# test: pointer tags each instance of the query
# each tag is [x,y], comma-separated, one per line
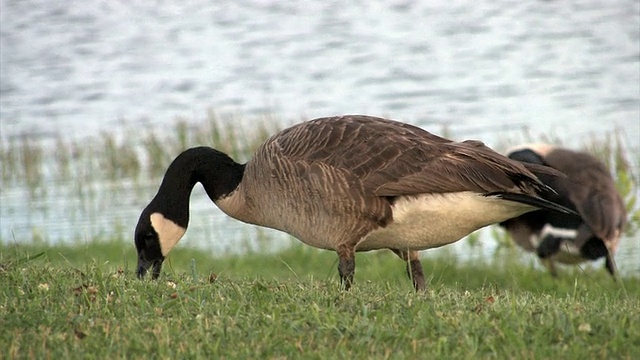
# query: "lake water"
[482,69]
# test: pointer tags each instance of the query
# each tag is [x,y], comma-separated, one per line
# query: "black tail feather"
[533,201]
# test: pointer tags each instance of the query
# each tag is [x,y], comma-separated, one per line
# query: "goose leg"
[549,246]
[549,264]
[414,268]
[346,265]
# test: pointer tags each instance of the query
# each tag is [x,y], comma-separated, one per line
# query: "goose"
[347,184]
[587,188]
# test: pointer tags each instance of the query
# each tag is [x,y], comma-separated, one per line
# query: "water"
[484,70]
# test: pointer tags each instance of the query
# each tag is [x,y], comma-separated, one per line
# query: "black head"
[527,155]
[148,246]
[155,236]
[164,221]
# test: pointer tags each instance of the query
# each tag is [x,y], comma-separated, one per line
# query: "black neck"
[217,172]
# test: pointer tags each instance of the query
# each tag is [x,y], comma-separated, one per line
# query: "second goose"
[347,184]
[587,188]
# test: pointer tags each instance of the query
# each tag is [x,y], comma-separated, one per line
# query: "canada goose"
[589,189]
[350,183]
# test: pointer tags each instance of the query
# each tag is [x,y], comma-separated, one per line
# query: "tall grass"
[29,163]
[63,159]
[26,161]
[119,159]
[8,162]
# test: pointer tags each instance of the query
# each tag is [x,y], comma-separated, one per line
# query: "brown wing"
[591,189]
[452,167]
[391,158]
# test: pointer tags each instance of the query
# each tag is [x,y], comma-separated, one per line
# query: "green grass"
[82,301]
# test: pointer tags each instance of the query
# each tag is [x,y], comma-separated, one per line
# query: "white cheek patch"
[539,148]
[169,233]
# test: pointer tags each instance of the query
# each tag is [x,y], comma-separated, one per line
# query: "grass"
[82,301]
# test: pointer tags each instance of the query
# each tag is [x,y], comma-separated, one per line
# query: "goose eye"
[149,238]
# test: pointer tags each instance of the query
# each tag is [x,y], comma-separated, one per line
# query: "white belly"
[433,220]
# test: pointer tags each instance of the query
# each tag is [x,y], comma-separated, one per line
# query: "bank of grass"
[82,301]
